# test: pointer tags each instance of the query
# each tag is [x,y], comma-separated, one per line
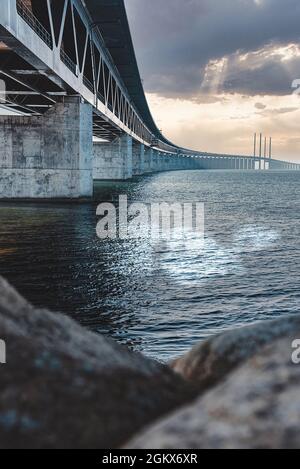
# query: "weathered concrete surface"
[257,407]
[113,161]
[148,167]
[48,156]
[125,158]
[138,159]
[209,362]
[64,387]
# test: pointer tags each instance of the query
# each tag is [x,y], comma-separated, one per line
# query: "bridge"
[70,73]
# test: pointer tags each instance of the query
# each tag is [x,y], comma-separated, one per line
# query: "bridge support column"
[148,160]
[113,160]
[180,162]
[49,156]
[155,161]
[138,159]
[169,162]
[161,165]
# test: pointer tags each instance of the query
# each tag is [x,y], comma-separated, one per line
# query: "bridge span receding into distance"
[70,73]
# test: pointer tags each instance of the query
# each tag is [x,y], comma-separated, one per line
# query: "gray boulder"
[208,363]
[65,387]
[258,406]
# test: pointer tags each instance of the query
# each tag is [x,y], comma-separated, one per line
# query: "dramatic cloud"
[187,47]
[228,126]
[216,71]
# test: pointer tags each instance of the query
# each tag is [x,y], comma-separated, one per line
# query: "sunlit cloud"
[227,124]
[217,71]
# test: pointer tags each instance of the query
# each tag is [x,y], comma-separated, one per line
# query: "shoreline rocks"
[65,387]
[257,407]
[208,363]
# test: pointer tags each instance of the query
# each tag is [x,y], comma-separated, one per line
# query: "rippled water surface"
[162,297]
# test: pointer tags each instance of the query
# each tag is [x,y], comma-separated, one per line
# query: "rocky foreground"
[65,387]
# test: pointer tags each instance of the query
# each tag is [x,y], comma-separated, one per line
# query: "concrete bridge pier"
[138,158]
[48,156]
[113,160]
[148,160]
[155,161]
[180,162]
[172,162]
[183,163]
[176,162]
[164,162]
[187,163]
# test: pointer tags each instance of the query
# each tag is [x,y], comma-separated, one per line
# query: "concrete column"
[158,161]
[155,161]
[179,162]
[166,163]
[48,156]
[148,159]
[172,162]
[176,162]
[113,160]
[138,159]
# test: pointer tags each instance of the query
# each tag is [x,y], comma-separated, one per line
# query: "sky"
[217,71]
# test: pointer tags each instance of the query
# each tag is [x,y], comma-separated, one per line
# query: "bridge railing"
[118,103]
[88,84]
[68,62]
[27,15]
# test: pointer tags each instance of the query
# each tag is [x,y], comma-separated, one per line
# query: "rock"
[65,387]
[258,406]
[210,362]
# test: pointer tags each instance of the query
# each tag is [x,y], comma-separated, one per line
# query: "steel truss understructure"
[67,30]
